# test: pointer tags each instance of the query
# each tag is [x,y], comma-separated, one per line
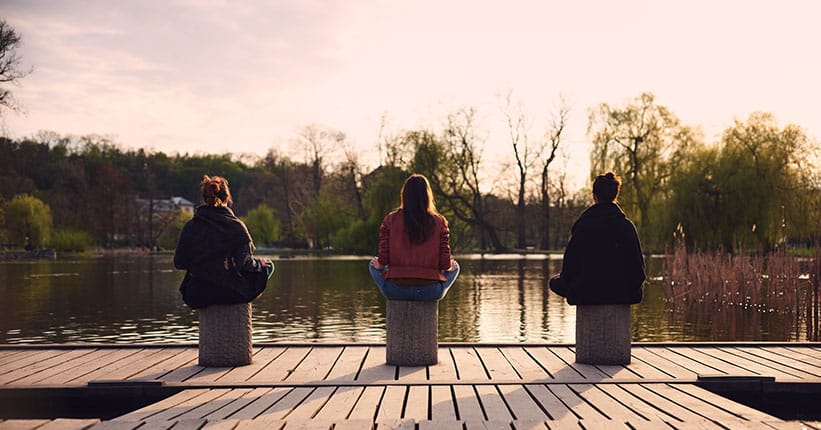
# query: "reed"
[733,288]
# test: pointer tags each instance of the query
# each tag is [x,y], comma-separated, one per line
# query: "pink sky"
[242,77]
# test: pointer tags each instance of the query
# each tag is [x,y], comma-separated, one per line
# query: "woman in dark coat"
[218,253]
[603,262]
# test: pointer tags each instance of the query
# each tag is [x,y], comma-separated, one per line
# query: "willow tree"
[642,142]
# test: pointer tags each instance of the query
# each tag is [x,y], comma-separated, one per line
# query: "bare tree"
[550,147]
[10,71]
[517,128]
[353,172]
[319,142]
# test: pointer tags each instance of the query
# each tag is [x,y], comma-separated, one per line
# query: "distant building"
[172,204]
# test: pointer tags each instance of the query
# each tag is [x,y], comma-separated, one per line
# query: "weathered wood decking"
[473,386]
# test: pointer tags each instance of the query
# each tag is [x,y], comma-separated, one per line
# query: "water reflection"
[501,299]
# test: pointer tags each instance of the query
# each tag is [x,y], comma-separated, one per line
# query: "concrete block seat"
[412,332]
[603,334]
[225,335]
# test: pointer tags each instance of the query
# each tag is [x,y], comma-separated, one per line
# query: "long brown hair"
[215,191]
[418,208]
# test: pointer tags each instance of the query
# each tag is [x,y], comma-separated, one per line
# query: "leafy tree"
[754,190]
[70,240]
[28,220]
[642,142]
[10,71]
[263,225]
[172,229]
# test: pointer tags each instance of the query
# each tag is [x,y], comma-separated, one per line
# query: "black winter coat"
[603,262]
[217,252]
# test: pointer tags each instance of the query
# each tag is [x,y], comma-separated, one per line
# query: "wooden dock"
[474,386]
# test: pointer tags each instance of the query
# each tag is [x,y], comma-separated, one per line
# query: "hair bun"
[610,175]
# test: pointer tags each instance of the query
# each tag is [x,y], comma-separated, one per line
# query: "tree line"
[754,189]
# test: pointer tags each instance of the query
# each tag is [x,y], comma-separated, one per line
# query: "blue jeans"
[422,293]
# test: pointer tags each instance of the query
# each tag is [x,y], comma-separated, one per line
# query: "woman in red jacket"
[414,261]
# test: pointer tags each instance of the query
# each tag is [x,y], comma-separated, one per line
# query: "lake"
[499,298]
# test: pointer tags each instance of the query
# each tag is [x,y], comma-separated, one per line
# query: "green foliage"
[643,143]
[751,192]
[169,236]
[358,237]
[70,240]
[28,218]
[263,225]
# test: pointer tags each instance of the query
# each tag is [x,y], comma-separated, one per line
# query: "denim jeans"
[420,293]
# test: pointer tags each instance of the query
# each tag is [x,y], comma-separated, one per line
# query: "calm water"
[503,299]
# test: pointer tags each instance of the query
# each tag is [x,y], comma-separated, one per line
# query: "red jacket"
[404,259]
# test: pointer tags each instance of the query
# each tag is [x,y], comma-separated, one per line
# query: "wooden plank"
[141,362]
[374,369]
[413,374]
[354,425]
[802,361]
[555,409]
[392,403]
[205,376]
[618,371]
[264,357]
[286,404]
[21,424]
[468,365]
[261,424]
[368,403]
[260,404]
[348,364]
[676,356]
[611,409]
[735,408]
[521,405]
[69,424]
[588,371]
[577,404]
[552,364]
[441,403]
[30,368]
[497,365]
[707,355]
[139,356]
[397,424]
[81,374]
[416,405]
[181,411]
[177,358]
[221,425]
[640,368]
[341,403]
[524,364]
[670,368]
[750,362]
[194,424]
[242,397]
[281,367]
[788,365]
[651,403]
[155,408]
[467,403]
[808,355]
[492,403]
[308,408]
[61,373]
[118,425]
[445,369]
[440,425]
[222,400]
[697,405]
[38,359]
[316,365]
[540,425]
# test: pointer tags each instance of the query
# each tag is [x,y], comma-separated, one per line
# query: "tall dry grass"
[731,286]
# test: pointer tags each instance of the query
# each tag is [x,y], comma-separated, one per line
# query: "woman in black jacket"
[603,262]
[218,253]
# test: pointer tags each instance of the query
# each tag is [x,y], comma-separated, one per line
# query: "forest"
[754,189]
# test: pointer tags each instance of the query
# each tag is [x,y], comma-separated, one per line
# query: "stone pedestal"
[412,333]
[225,335]
[603,334]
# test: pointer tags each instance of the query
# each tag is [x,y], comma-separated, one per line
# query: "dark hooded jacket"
[603,262]
[217,252]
